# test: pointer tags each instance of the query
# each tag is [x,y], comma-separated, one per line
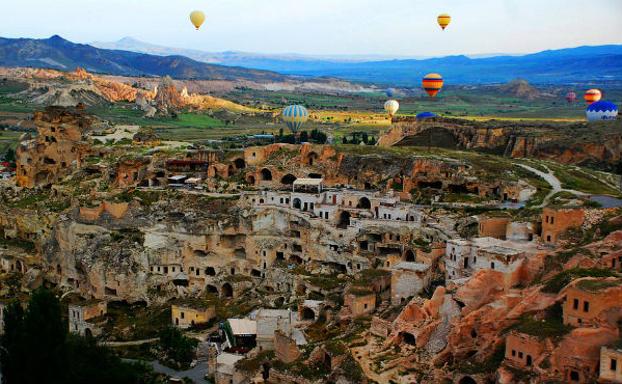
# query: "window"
[182,315]
[492,265]
[513,352]
[613,365]
[575,304]
[586,306]
[365,306]
[520,355]
[552,219]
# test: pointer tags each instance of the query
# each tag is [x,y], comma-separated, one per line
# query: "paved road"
[196,374]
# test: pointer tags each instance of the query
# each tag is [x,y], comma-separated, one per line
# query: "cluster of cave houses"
[362,229]
[501,245]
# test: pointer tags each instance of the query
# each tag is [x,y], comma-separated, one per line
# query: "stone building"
[83,316]
[188,314]
[359,302]
[493,226]
[611,364]
[60,147]
[522,351]
[556,221]
[409,279]
[465,257]
[587,300]
[226,373]
[271,320]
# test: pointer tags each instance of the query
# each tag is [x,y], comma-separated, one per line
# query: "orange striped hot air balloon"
[432,83]
[592,96]
[444,20]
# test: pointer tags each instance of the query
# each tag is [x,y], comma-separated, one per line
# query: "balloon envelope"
[197,18]
[390,92]
[592,96]
[391,106]
[295,116]
[601,110]
[426,115]
[444,20]
[432,83]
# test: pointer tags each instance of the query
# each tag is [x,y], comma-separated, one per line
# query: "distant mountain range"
[589,64]
[58,53]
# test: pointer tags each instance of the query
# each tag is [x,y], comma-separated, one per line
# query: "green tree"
[36,348]
[10,155]
[177,347]
[304,136]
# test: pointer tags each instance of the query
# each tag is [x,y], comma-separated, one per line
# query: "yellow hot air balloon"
[197,18]
[391,106]
[444,20]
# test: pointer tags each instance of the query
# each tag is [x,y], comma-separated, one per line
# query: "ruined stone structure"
[59,148]
[82,316]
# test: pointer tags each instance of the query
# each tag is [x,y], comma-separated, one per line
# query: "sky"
[326,27]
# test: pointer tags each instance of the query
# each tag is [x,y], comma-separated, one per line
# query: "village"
[354,269]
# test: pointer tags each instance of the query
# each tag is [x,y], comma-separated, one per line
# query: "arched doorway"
[408,338]
[210,271]
[364,203]
[227,290]
[239,163]
[315,176]
[297,203]
[212,289]
[409,255]
[250,179]
[266,175]
[467,380]
[344,220]
[308,314]
[88,333]
[288,179]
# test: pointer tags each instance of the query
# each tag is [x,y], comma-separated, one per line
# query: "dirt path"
[553,181]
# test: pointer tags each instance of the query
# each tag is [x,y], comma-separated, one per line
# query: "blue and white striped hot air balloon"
[602,110]
[295,116]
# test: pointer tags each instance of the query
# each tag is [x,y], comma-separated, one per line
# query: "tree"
[36,348]
[10,155]
[344,140]
[372,141]
[365,137]
[177,347]
[304,137]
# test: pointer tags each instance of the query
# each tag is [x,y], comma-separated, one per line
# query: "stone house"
[83,316]
[270,321]
[611,364]
[587,300]
[556,221]
[409,279]
[359,302]
[188,314]
[226,373]
[523,351]
[493,226]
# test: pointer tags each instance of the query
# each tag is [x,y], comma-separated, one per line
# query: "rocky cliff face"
[598,144]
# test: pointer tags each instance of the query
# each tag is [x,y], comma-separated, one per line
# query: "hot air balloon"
[571,97]
[432,83]
[592,96]
[295,116]
[444,20]
[391,106]
[197,18]
[601,110]
[390,92]
[426,115]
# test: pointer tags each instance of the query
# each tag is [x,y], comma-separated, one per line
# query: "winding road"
[553,181]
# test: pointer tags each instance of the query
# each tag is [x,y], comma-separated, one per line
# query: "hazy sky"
[387,27]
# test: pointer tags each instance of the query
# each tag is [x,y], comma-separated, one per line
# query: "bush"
[561,280]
